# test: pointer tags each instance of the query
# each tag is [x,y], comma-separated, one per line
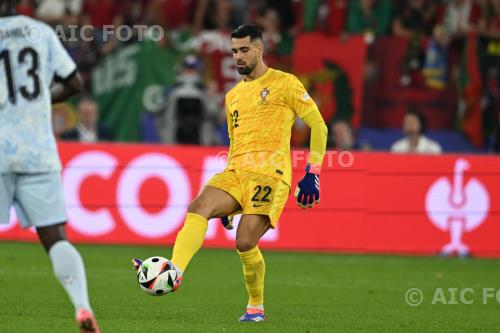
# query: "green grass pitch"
[305,292]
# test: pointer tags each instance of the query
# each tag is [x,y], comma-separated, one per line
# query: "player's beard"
[247,69]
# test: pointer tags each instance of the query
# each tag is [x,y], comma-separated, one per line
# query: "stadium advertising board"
[370,202]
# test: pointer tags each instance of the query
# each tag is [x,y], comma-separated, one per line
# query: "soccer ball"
[156,276]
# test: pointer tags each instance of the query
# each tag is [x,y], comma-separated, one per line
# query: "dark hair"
[245,30]
[421,119]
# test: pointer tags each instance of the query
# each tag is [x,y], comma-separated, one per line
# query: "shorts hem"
[272,225]
[228,192]
[43,223]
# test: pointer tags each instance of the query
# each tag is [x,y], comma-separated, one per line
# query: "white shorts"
[37,198]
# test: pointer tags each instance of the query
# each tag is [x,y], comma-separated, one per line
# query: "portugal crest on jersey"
[263,95]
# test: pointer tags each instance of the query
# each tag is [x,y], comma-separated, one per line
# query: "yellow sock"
[254,269]
[189,240]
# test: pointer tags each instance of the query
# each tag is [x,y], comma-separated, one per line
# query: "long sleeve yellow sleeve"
[304,106]
[319,135]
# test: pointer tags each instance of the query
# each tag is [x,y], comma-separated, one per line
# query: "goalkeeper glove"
[227,222]
[307,191]
[136,263]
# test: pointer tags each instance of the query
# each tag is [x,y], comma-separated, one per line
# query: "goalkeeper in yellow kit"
[260,111]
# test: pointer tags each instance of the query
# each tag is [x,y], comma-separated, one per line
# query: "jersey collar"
[266,74]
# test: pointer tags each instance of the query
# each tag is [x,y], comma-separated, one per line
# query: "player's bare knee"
[201,207]
[245,244]
[50,235]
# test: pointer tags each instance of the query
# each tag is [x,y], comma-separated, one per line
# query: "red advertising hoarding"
[370,202]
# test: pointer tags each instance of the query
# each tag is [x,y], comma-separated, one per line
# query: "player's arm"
[307,191]
[67,81]
[62,89]
[318,139]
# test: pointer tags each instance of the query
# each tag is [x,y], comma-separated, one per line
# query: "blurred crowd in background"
[186,105]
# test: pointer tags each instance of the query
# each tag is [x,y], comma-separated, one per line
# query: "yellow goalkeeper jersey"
[260,115]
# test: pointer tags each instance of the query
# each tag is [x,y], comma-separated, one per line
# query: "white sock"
[69,270]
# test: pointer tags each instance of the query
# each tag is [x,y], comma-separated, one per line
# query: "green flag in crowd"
[128,82]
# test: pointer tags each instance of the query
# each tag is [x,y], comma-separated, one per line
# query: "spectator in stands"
[327,16]
[435,67]
[337,17]
[212,15]
[372,17]
[277,43]
[186,117]
[342,137]
[489,29]
[414,127]
[63,118]
[88,129]
[59,11]
[414,18]
[458,17]
[269,21]
[285,8]
[26,7]
[489,22]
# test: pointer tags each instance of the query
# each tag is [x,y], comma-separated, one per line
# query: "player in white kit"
[31,59]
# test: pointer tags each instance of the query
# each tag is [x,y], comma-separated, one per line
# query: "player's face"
[342,136]
[246,54]
[411,125]
[88,113]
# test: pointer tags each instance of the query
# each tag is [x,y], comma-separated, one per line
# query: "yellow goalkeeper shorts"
[257,194]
